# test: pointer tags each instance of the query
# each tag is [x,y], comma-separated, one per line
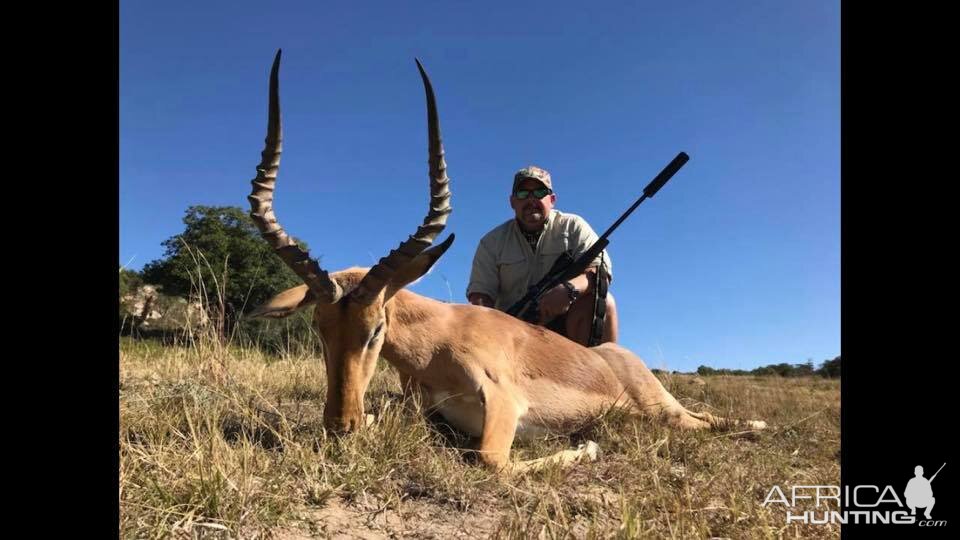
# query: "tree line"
[829,369]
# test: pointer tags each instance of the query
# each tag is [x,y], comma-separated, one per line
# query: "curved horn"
[378,276]
[261,209]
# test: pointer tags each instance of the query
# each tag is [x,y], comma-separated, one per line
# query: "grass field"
[228,443]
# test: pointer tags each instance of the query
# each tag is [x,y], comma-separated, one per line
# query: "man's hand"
[480,299]
[554,303]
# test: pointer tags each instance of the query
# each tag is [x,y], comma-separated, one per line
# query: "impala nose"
[348,424]
[342,425]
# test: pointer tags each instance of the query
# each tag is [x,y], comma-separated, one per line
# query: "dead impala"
[490,375]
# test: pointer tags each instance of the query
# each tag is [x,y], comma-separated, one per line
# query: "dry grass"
[228,443]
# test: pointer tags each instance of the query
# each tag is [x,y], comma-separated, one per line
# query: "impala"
[490,375]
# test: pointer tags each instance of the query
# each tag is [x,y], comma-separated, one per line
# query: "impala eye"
[375,335]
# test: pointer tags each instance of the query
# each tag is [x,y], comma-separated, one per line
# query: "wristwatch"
[572,291]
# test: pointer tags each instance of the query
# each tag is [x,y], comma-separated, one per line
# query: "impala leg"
[499,428]
[652,399]
[729,423]
[563,458]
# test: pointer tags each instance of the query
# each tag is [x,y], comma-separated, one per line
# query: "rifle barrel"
[652,188]
[938,472]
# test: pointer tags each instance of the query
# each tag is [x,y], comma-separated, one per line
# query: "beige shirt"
[505,267]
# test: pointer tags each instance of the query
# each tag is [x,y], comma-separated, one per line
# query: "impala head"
[350,313]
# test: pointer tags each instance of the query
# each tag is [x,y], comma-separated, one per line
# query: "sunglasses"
[538,193]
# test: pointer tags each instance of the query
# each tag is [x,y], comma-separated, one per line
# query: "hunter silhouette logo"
[918,493]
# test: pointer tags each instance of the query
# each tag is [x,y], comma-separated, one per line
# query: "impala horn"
[261,209]
[378,276]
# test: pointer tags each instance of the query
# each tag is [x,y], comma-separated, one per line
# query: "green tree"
[130,281]
[830,368]
[804,370]
[221,259]
[765,371]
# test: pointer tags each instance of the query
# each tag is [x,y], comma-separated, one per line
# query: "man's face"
[532,212]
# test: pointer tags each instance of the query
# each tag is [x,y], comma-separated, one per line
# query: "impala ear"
[286,303]
[416,268]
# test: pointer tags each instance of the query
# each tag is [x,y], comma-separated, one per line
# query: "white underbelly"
[464,412]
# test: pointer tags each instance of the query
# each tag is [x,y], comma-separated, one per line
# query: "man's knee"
[611,327]
[611,305]
[579,321]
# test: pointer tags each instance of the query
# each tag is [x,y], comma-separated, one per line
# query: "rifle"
[566,268]
[936,473]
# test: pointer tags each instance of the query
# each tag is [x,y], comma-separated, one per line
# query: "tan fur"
[488,373]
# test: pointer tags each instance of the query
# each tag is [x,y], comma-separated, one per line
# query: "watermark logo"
[868,504]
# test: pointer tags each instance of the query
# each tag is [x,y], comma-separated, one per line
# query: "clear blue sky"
[735,263]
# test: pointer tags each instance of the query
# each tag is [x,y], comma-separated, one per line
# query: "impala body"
[489,374]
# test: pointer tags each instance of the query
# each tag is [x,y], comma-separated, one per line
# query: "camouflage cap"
[535,173]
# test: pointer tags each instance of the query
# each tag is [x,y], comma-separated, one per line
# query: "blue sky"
[735,263]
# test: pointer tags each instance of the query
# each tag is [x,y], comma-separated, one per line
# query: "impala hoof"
[590,450]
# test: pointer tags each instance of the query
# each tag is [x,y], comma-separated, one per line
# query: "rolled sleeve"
[483,274]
